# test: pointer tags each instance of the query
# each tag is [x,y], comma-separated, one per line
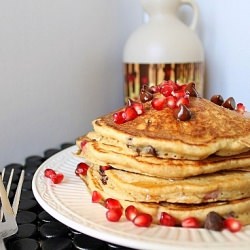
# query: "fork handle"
[2,245]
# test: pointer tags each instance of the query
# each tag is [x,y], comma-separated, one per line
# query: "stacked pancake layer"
[158,163]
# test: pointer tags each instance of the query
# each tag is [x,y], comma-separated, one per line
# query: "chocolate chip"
[214,221]
[182,113]
[191,90]
[229,103]
[104,179]
[146,94]
[217,99]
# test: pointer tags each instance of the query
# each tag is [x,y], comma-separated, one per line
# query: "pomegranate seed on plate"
[167,220]
[158,103]
[114,214]
[190,222]
[81,168]
[96,197]
[112,203]
[143,220]
[232,224]
[48,172]
[58,178]
[131,212]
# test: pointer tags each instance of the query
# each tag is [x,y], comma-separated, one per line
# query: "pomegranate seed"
[166,90]
[48,172]
[136,105]
[96,197]
[138,108]
[58,178]
[104,168]
[158,103]
[180,93]
[112,203]
[83,143]
[190,222]
[232,224]
[154,89]
[173,84]
[81,168]
[240,108]
[183,100]
[167,220]
[118,117]
[183,87]
[131,212]
[171,101]
[129,114]
[143,220]
[114,214]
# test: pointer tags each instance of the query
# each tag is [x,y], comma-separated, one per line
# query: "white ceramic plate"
[70,203]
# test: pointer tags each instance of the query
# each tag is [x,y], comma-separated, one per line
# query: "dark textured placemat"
[38,230]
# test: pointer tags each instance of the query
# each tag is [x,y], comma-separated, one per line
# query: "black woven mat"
[37,230]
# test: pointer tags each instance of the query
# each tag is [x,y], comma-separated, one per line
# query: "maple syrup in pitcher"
[164,48]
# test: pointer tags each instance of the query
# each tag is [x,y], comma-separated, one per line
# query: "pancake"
[222,186]
[103,154]
[240,209]
[160,163]
[212,129]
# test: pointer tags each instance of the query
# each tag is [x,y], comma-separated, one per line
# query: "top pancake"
[212,129]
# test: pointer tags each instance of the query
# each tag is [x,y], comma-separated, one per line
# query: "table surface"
[37,230]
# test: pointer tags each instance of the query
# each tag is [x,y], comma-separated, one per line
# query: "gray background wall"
[61,64]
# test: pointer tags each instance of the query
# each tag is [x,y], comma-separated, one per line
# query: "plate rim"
[115,238]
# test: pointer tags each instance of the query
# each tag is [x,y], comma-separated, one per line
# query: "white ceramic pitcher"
[163,47]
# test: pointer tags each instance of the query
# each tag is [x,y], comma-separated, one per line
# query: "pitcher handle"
[195,8]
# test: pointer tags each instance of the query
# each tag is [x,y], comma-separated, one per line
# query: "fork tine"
[6,207]
[7,189]
[9,226]
[18,193]
[3,172]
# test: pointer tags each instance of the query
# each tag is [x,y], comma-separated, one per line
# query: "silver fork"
[8,226]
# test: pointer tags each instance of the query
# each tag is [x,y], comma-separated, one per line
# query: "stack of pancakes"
[160,164]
